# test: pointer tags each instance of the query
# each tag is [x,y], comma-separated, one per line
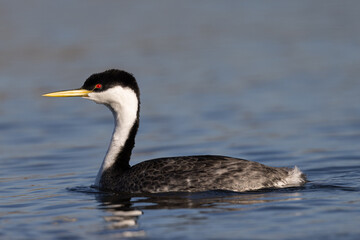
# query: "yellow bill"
[69,93]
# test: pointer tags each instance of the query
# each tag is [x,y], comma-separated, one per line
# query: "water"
[276,83]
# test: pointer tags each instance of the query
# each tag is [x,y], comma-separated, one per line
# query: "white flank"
[294,179]
[123,103]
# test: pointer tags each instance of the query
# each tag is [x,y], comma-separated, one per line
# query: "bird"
[119,91]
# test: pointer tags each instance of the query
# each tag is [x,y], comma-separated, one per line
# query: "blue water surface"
[275,82]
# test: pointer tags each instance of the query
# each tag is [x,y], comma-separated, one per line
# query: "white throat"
[123,103]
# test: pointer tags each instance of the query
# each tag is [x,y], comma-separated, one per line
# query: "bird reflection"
[211,200]
[123,215]
[125,210]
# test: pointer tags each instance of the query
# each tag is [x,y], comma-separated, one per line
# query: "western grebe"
[118,90]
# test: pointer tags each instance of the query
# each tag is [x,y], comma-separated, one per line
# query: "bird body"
[199,173]
[118,90]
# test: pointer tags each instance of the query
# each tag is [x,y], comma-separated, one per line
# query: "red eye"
[98,86]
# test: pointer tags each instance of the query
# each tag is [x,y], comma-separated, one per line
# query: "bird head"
[113,88]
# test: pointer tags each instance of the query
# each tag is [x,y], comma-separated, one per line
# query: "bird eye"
[98,86]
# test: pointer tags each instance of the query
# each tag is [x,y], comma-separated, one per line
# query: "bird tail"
[295,178]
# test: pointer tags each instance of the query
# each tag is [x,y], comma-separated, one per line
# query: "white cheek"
[97,97]
[115,96]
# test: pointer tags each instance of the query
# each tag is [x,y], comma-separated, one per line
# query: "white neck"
[123,103]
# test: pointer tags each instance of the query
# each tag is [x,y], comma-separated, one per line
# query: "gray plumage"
[197,173]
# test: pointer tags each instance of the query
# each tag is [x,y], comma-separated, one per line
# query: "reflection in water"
[126,209]
[221,200]
[123,215]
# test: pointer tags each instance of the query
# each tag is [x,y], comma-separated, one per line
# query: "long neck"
[118,155]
